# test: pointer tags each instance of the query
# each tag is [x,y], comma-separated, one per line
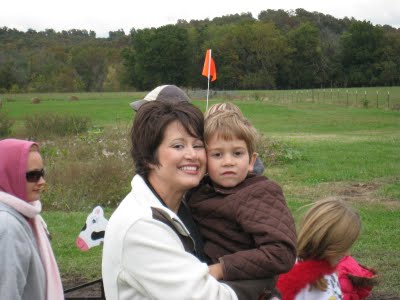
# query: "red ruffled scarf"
[302,273]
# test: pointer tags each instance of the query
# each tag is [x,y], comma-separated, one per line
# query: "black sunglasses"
[34,176]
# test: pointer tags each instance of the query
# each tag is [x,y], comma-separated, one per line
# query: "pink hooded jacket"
[13,162]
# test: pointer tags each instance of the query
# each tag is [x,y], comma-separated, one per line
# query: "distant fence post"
[347,97]
[365,104]
[388,100]
[338,99]
[356,97]
[377,95]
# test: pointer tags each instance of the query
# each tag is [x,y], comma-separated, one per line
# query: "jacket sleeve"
[345,286]
[263,214]
[158,265]
[14,258]
[356,281]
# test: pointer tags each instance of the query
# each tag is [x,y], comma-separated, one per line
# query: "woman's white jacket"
[144,258]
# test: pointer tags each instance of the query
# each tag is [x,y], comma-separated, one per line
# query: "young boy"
[248,230]
[258,165]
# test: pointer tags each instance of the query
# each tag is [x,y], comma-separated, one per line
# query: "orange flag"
[209,67]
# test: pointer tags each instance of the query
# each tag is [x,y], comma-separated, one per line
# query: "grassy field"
[325,149]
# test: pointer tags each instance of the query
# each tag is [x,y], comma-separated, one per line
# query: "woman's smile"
[182,159]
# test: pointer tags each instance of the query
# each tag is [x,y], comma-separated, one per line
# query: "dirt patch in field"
[366,192]
[363,192]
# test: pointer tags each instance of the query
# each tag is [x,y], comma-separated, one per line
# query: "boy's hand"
[216,271]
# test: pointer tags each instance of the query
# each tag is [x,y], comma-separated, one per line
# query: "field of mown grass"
[325,149]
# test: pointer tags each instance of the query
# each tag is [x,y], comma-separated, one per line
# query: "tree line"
[277,50]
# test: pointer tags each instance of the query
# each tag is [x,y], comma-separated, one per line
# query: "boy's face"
[228,162]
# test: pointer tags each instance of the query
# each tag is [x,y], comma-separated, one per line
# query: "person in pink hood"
[28,267]
[356,281]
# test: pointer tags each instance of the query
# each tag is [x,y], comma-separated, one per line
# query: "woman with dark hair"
[148,252]
[28,266]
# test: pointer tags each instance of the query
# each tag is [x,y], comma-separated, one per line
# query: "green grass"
[73,263]
[331,161]
[317,118]
[331,149]
[391,190]
[103,108]
[379,244]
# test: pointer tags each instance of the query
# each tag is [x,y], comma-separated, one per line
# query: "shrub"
[35,100]
[365,103]
[5,124]
[73,98]
[273,152]
[15,89]
[396,107]
[257,96]
[89,169]
[45,125]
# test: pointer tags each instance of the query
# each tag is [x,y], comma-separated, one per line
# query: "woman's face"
[35,163]
[182,161]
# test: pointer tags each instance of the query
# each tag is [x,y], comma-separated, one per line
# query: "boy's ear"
[253,158]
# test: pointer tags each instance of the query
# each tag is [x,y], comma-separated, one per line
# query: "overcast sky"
[103,16]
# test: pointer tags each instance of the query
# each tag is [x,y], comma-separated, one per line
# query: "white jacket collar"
[145,196]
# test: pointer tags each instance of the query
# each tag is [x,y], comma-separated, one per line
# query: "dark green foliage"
[5,124]
[159,56]
[232,19]
[305,57]
[54,124]
[362,52]
[66,61]
[279,50]
[90,65]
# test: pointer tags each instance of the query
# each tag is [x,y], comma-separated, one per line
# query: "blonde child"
[327,232]
[247,228]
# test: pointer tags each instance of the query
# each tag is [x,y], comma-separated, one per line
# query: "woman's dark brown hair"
[149,126]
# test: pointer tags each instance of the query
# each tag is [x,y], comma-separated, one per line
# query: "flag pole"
[208,79]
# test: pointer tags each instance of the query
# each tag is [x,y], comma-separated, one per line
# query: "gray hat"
[169,93]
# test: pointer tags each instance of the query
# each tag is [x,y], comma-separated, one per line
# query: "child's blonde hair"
[222,106]
[327,231]
[229,124]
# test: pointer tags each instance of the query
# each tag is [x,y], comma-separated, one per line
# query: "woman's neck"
[170,196]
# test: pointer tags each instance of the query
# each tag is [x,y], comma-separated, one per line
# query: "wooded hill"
[277,50]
